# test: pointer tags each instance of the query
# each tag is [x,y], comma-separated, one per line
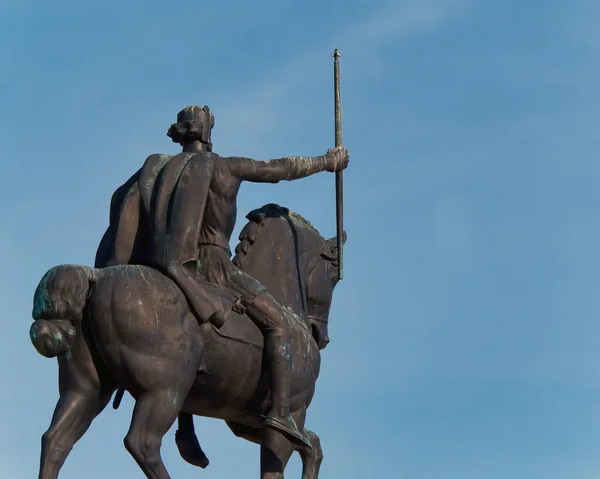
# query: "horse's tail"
[58,306]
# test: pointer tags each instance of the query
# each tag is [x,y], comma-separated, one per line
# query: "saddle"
[237,326]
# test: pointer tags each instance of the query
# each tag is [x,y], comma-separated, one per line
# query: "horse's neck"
[281,271]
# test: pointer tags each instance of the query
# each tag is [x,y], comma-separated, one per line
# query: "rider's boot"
[278,360]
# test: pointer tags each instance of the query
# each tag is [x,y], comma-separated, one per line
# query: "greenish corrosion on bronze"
[57,337]
[41,301]
[301,219]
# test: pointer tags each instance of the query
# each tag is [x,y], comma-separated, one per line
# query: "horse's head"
[293,261]
[322,280]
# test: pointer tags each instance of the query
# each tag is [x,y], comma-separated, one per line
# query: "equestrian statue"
[168,315]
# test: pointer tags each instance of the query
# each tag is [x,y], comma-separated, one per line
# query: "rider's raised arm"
[273,171]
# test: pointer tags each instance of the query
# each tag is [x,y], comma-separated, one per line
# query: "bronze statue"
[167,315]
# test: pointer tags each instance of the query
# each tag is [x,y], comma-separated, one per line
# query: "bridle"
[312,265]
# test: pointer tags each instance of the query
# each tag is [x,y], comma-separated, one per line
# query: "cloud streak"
[362,40]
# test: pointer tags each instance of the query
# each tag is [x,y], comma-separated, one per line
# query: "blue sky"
[465,338]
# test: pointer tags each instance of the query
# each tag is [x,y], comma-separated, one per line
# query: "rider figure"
[191,216]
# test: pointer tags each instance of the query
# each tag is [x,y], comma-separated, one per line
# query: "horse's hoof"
[190,450]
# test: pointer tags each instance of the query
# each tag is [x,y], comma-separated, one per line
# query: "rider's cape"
[156,216]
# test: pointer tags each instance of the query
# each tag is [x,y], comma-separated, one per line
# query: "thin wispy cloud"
[399,19]
[361,39]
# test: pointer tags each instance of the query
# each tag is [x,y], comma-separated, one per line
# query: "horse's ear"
[332,247]
[332,242]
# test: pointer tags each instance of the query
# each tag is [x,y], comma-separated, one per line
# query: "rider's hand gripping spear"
[339,178]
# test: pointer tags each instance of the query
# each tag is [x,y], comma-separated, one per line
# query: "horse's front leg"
[81,400]
[276,449]
[275,452]
[311,458]
[187,442]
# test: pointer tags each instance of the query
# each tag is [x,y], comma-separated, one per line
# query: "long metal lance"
[339,175]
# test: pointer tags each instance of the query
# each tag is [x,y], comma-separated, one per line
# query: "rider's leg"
[200,301]
[269,316]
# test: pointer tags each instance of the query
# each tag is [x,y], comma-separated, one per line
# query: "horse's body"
[230,383]
[130,327]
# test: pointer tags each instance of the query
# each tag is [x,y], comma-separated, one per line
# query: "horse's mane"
[256,220]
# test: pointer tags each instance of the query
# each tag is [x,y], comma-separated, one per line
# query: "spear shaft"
[339,175]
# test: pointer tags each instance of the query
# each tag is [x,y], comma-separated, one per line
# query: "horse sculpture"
[130,327]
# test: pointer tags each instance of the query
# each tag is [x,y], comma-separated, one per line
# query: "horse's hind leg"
[161,389]
[82,398]
[154,413]
[73,415]
[311,458]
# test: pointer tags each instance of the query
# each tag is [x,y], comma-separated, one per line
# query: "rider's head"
[193,127]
